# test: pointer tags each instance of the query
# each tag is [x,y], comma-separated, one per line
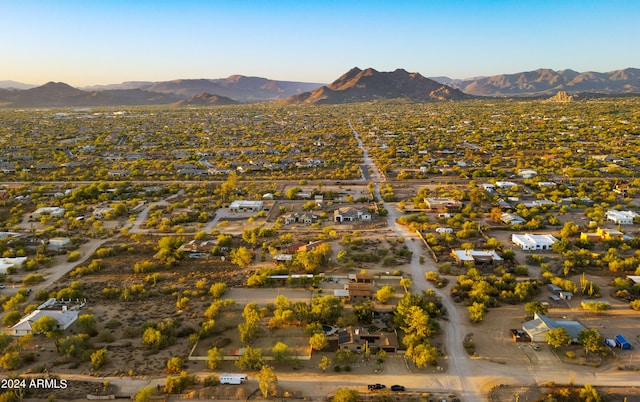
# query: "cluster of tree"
[482,292]
[416,315]
[156,336]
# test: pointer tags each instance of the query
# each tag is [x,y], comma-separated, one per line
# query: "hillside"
[237,87]
[206,99]
[61,94]
[365,85]
[547,82]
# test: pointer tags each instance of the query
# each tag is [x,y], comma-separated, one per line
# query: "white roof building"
[476,256]
[64,317]
[16,262]
[511,219]
[529,241]
[621,217]
[506,184]
[527,173]
[541,324]
[53,211]
[244,205]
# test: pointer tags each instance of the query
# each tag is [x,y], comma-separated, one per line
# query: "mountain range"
[354,86]
[547,82]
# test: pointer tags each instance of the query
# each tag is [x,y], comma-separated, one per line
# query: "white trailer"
[232,378]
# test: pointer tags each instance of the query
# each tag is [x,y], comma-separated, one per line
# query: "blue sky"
[103,42]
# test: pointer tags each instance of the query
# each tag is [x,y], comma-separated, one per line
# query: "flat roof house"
[442,203]
[357,339]
[529,241]
[621,217]
[478,257]
[246,206]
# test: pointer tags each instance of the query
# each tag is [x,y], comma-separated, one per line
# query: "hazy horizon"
[103,43]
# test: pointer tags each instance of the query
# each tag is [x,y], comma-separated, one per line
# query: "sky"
[91,42]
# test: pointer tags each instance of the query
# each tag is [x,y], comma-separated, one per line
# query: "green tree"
[590,340]
[152,338]
[44,324]
[280,352]
[241,257]
[251,359]
[10,361]
[345,395]
[145,394]
[11,318]
[590,394]
[423,354]
[174,365]
[324,364]
[558,337]
[87,322]
[318,341]
[99,359]
[385,294]
[214,358]
[326,309]
[477,311]
[535,307]
[267,381]
[363,312]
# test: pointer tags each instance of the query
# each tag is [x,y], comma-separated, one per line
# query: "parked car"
[373,387]
[2,286]
[397,388]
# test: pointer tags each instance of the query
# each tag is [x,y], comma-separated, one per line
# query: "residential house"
[51,211]
[506,184]
[360,278]
[310,246]
[541,324]
[621,217]
[246,206]
[609,234]
[590,236]
[359,291]
[358,339]
[197,246]
[602,234]
[11,262]
[65,313]
[294,217]
[118,173]
[529,241]
[350,214]
[437,204]
[527,173]
[58,243]
[622,189]
[478,257]
[488,187]
[511,219]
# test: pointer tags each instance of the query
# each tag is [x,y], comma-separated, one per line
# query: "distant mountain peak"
[206,99]
[369,84]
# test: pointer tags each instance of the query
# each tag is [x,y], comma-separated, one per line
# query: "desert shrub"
[73,256]
[105,336]
[32,279]
[211,380]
